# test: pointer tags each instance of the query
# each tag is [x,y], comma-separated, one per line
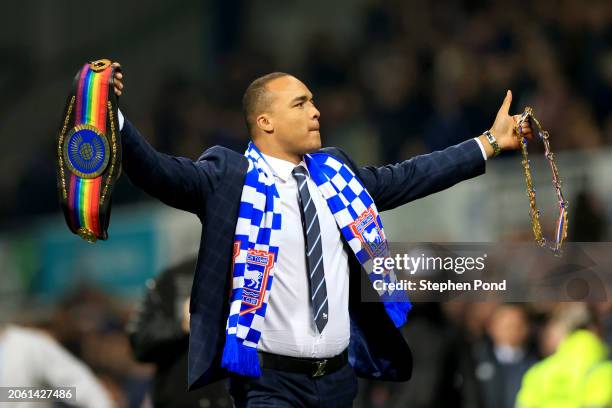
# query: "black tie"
[314,250]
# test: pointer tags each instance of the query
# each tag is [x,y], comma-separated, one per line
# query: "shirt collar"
[282,168]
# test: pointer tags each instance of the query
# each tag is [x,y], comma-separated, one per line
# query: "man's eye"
[300,104]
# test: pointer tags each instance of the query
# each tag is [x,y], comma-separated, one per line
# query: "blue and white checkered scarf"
[256,246]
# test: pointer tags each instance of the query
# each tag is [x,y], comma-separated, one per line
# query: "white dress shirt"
[482,149]
[289,327]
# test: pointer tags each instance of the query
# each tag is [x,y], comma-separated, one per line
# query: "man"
[289,214]
[504,356]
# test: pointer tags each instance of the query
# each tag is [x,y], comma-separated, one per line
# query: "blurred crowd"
[419,77]
[478,355]
[466,354]
[415,76]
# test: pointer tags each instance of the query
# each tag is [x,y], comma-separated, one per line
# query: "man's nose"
[315,113]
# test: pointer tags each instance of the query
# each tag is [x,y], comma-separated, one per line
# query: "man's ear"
[264,122]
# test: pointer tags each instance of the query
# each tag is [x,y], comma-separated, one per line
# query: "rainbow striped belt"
[89,151]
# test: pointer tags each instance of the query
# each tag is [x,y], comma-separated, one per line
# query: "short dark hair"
[257,98]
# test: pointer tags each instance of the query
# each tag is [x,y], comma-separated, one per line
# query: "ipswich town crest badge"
[256,275]
[367,229]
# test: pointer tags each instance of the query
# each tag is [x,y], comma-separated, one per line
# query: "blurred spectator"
[578,374]
[604,313]
[90,323]
[159,334]
[504,356]
[443,372]
[388,75]
[589,222]
[31,358]
[476,316]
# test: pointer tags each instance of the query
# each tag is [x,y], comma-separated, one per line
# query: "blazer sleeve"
[393,185]
[177,181]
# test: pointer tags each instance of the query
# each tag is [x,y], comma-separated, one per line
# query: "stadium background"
[392,79]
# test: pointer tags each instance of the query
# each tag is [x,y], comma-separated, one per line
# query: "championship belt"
[89,151]
[561,230]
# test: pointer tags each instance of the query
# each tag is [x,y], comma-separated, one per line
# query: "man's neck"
[274,151]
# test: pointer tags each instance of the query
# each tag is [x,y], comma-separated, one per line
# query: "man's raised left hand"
[503,129]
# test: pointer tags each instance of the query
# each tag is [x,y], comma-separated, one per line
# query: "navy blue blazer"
[211,186]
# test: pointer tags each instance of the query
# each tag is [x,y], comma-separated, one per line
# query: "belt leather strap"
[313,367]
[89,151]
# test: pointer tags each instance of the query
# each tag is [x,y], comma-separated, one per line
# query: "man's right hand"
[117,80]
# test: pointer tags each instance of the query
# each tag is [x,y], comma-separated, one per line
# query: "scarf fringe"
[240,359]
[398,312]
